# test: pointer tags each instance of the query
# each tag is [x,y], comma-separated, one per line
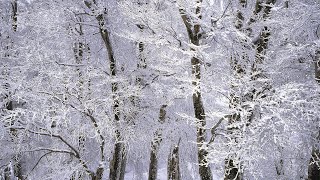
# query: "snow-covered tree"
[159,89]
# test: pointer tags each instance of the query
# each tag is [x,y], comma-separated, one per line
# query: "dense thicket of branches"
[159,89]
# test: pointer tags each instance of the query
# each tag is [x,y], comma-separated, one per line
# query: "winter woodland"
[159,89]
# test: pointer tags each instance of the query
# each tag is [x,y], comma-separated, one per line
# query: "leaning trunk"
[118,162]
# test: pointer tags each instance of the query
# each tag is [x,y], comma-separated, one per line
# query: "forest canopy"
[159,89]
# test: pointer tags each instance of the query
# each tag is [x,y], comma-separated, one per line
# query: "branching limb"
[51,135]
[56,151]
[213,129]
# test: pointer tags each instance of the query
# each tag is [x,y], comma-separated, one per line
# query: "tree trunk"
[79,48]
[194,36]
[238,64]
[204,168]
[14,5]
[173,164]
[142,63]
[16,166]
[233,170]
[314,164]
[98,175]
[233,167]
[279,168]
[118,162]
[153,166]
[317,66]
[262,42]
[155,144]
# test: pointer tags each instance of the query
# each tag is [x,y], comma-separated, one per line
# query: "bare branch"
[213,129]
[51,135]
[71,65]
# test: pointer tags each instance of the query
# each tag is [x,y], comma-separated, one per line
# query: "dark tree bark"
[233,169]
[9,106]
[317,66]
[79,49]
[279,168]
[14,5]
[118,162]
[239,64]
[314,163]
[194,36]
[262,43]
[174,164]
[98,175]
[153,166]
[155,145]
